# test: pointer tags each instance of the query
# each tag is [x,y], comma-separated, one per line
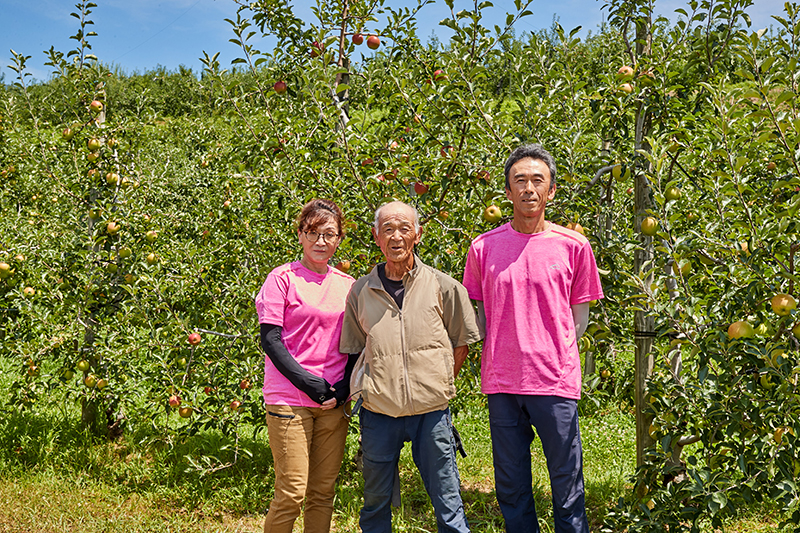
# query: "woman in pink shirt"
[306,379]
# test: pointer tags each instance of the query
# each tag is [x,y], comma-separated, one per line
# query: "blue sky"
[138,35]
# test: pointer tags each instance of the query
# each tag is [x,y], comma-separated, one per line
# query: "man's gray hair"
[413,210]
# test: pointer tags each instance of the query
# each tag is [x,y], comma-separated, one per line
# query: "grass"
[54,477]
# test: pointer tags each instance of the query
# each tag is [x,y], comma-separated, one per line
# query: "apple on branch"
[317,49]
[783,304]
[625,73]
[492,214]
[741,329]
[649,226]
[420,188]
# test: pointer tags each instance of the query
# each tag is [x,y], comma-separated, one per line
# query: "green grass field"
[54,477]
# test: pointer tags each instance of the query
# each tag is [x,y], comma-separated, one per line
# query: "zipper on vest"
[406,379]
[409,401]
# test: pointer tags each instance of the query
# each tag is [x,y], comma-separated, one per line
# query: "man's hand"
[459,355]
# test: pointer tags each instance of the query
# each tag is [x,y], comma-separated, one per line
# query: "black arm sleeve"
[315,387]
[342,387]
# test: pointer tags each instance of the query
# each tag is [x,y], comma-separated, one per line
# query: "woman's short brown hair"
[319,211]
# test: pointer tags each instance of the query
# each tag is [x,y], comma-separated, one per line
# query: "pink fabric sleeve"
[586,285]
[271,300]
[472,275]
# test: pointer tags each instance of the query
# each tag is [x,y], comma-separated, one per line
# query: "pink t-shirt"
[528,284]
[309,307]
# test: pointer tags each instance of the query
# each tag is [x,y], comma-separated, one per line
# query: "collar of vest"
[374,280]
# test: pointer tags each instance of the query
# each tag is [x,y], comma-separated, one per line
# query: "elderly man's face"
[396,236]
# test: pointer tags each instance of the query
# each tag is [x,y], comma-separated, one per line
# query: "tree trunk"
[643,322]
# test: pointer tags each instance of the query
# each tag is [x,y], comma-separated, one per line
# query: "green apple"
[492,214]
[783,304]
[649,226]
[741,330]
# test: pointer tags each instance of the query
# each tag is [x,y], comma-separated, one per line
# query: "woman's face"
[320,242]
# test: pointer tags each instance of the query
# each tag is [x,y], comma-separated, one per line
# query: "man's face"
[396,236]
[529,187]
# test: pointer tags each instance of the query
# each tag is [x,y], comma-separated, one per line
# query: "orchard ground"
[53,476]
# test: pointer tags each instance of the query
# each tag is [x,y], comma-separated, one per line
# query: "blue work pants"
[433,450]
[512,419]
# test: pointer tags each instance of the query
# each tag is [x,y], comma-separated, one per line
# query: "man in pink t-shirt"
[532,281]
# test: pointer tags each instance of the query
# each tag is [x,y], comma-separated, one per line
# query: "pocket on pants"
[281,421]
[503,421]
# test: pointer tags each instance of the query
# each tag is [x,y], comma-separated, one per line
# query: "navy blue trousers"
[512,419]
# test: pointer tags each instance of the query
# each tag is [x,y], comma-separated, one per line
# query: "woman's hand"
[330,403]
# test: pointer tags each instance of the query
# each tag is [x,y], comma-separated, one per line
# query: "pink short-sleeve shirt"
[309,307]
[528,283]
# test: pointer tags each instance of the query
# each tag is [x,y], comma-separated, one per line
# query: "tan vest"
[408,353]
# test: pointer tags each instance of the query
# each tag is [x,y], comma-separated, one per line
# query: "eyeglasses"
[328,236]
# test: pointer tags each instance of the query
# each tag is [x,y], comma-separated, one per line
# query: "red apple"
[343,265]
[244,384]
[194,339]
[96,106]
[373,42]
[420,188]
[439,75]
[358,39]
[280,87]
[317,48]
[235,404]
[185,411]
[174,401]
